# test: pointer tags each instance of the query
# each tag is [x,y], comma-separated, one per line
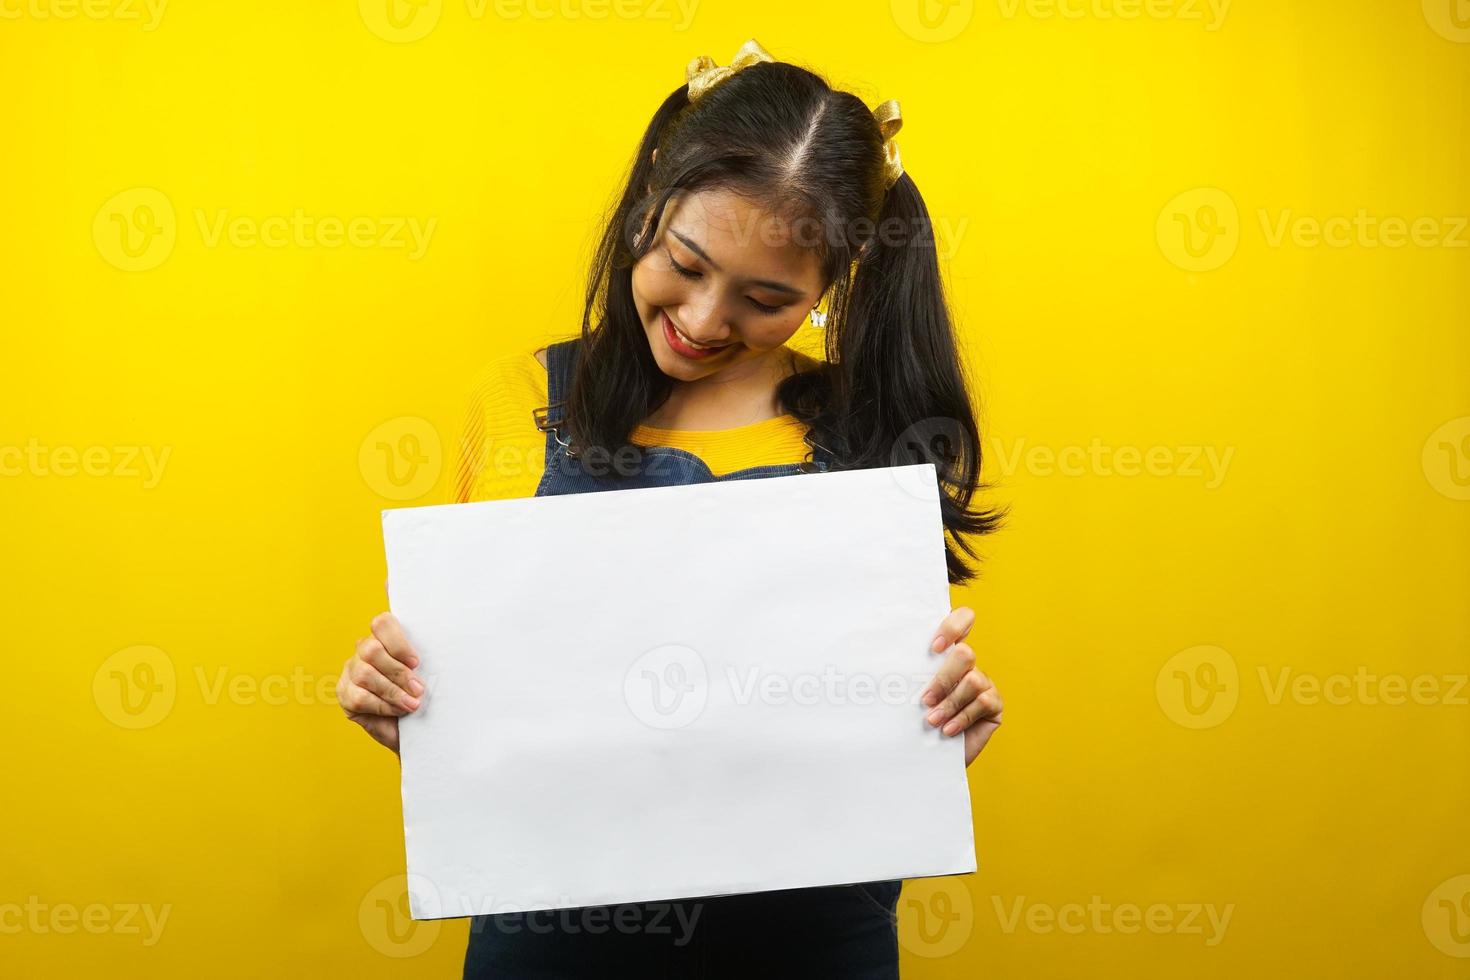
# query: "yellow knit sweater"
[502,453]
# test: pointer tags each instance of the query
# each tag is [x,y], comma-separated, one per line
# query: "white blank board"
[675,692]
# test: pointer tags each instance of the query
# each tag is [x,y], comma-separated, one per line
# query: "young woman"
[757,191]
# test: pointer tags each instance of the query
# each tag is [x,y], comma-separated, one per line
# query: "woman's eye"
[686,273]
[691,274]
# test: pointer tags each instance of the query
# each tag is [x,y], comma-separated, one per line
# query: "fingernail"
[939,644]
[952,727]
[929,698]
[415,688]
[412,704]
[934,716]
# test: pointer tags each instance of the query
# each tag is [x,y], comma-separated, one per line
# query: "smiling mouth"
[682,344]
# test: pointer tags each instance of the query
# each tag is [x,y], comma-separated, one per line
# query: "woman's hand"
[378,685]
[963,699]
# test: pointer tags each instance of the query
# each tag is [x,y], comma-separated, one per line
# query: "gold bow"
[889,123]
[703,74]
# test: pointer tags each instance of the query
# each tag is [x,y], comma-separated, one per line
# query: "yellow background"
[1065,152]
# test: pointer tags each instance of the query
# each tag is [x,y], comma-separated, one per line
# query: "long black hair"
[892,389]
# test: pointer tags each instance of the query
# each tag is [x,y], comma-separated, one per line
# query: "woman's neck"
[715,403]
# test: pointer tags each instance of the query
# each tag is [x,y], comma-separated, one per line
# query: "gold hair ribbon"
[889,123]
[703,74]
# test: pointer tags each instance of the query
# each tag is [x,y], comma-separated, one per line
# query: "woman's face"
[724,285]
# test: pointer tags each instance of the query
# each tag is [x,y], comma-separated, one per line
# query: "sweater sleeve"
[501,453]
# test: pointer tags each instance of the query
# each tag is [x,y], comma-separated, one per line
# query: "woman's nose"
[706,323]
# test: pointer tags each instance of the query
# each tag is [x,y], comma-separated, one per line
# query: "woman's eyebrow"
[780,287]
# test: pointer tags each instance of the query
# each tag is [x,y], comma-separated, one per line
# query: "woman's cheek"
[652,286]
[779,329]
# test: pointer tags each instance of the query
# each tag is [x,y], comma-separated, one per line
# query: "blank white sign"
[675,692]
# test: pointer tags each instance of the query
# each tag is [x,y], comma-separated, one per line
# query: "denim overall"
[845,931]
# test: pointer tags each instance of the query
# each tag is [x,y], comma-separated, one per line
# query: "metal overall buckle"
[809,464]
[542,418]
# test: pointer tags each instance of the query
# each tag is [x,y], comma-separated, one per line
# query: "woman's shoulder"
[541,351]
[520,373]
[500,445]
[507,387]
[498,381]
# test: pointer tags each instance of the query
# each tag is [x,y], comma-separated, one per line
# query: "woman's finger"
[953,628]
[359,700]
[956,663]
[986,704]
[366,676]
[389,632]
[965,691]
[372,651]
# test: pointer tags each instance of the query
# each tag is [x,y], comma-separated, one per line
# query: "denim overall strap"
[566,471]
[561,360]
